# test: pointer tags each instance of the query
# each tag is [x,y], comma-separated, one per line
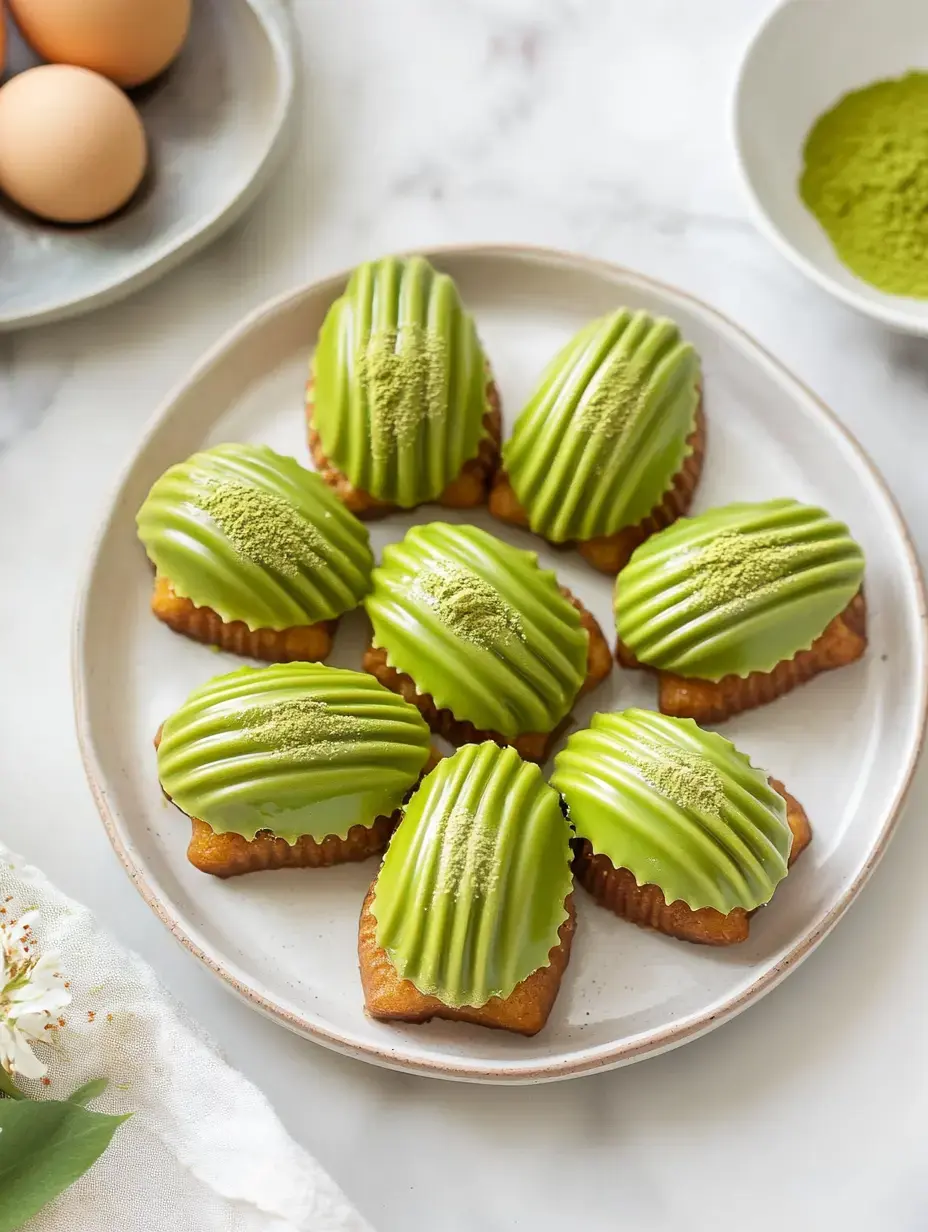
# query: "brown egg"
[2,38]
[72,146]
[129,41]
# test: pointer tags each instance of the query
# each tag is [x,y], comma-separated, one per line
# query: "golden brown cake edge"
[388,998]
[843,641]
[301,643]
[618,891]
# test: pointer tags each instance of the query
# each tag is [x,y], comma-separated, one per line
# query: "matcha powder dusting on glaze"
[733,567]
[685,777]
[263,528]
[865,178]
[466,848]
[403,373]
[611,408]
[303,724]
[468,605]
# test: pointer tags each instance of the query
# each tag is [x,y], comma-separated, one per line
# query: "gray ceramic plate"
[214,121]
[845,744]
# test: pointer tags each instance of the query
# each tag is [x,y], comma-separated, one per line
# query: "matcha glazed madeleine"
[741,604]
[290,766]
[610,446]
[401,405]
[676,829]
[471,915]
[478,637]
[253,553]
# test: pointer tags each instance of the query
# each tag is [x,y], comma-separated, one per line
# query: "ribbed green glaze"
[470,896]
[226,758]
[600,440]
[734,857]
[512,684]
[667,616]
[393,297]
[188,547]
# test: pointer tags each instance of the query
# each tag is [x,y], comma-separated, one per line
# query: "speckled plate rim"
[588,1061]
[275,22]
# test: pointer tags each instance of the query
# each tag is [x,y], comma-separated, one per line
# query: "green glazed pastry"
[677,806]
[480,627]
[736,590]
[297,749]
[602,438]
[255,537]
[471,894]
[400,382]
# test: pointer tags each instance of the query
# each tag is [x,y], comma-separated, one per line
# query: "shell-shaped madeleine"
[600,440]
[471,893]
[256,537]
[400,382]
[478,625]
[737,589]
[297,749]
[680,807]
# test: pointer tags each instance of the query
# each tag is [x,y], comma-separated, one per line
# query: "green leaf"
[8,1086]
[89,1091]
[44,1148]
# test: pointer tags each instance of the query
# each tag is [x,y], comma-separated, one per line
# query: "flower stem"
[8,1087]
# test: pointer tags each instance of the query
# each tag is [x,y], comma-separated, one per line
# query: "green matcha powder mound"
[865,178]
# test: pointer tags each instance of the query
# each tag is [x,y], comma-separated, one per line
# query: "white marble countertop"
[585,124]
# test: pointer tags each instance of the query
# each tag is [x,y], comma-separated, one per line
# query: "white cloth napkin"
[204,1150]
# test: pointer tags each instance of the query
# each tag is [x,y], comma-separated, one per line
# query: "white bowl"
[802,60]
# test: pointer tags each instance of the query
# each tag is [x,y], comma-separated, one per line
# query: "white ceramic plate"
[845,744]
[807,55]
[214,122]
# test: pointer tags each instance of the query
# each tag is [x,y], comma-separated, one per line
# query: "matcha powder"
[685,777]
[467,865]
[614,404]
[403,373]
[865,179]
[263,528]
[734,567]
[300,728]
[467,605]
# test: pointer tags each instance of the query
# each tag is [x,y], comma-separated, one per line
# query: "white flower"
[43,994]
[32,994]
[16,1056]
